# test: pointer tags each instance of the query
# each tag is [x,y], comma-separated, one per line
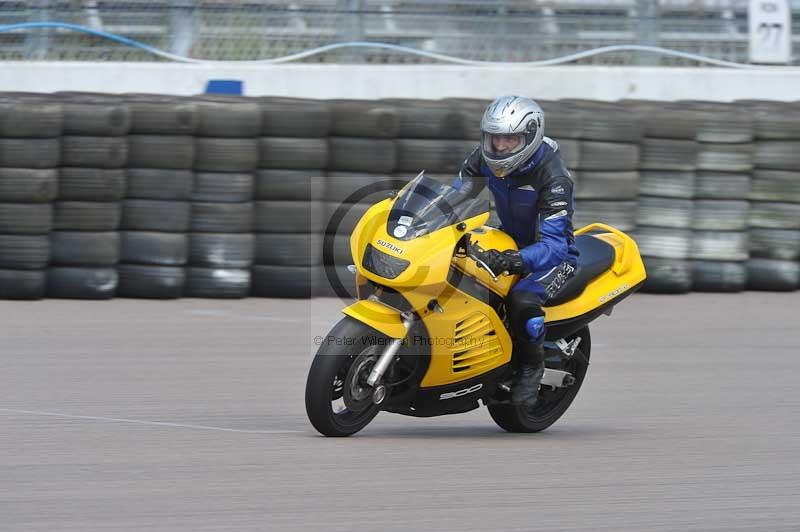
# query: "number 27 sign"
[770,31]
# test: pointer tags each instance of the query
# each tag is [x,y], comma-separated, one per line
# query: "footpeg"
[568,348]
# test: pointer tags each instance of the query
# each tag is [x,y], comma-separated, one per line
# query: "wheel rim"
[351,398]
[357,394]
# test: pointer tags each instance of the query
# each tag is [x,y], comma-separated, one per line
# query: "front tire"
[551,404]
[338,403]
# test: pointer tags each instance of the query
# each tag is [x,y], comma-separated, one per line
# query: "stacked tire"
[719,248]
[158,196]
[468,129]
[363,156]
[30,127]
[434,136]
[775,199]
[157,210]
[221,241]
[607,160]
[563,123]
[290,189]
[85,240]
[668,164]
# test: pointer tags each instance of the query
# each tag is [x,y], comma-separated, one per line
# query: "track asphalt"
[188,415]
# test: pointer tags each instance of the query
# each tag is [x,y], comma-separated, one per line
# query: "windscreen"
[425,205]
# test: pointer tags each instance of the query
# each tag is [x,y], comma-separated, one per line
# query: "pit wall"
[165,196]
[411,81]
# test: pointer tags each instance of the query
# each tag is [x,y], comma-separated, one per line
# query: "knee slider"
[535,327]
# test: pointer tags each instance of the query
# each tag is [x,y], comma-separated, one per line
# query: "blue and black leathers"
[535,205]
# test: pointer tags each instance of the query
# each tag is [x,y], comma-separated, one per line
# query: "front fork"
[385,360]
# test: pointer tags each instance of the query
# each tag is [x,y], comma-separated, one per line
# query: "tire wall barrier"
[155,196]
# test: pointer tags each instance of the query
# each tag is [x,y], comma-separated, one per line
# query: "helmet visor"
[501,146]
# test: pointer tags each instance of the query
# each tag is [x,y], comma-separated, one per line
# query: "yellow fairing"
[378,316]
[626,273]
[468,338]
[430,255]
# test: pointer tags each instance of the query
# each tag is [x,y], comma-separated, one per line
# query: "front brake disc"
[357,393]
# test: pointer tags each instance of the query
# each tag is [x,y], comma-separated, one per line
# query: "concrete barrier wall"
[419,81]
[212,196]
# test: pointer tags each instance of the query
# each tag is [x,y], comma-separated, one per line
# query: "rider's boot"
[525,390]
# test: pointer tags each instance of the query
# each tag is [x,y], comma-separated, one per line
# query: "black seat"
[596,256]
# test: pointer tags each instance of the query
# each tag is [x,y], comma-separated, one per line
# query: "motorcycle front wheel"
[338,399]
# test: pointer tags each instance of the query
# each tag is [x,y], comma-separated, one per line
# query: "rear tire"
[516,418]
[330,375]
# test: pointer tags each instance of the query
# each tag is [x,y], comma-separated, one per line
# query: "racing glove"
[507,261]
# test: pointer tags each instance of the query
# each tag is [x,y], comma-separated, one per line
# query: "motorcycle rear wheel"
[552,403]
[338,401]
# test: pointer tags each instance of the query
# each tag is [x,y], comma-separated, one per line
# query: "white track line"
[145,422]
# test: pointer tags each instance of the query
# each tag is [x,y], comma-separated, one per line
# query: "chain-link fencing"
[494,30]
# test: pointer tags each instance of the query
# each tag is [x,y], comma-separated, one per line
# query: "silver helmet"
[512,129]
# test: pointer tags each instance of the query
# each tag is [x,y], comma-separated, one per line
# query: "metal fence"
[494,30]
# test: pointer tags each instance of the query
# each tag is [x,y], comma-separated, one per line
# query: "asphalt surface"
[188,415]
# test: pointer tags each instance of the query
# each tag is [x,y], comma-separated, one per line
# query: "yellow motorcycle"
[428,334]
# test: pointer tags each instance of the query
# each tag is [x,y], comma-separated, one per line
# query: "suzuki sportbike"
[429,334]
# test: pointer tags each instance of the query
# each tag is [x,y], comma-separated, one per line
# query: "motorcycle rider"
[533,196]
